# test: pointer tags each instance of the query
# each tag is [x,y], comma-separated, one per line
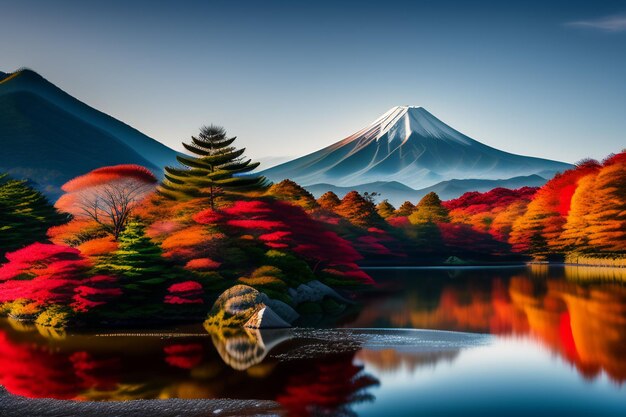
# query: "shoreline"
[490,266]
[16,406]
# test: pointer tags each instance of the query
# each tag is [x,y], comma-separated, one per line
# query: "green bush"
[55,316]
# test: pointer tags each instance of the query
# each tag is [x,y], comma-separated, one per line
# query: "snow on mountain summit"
[401,121]
[409,145]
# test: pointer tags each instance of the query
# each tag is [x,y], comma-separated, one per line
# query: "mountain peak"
[409,145]
[401,123]
[25,73]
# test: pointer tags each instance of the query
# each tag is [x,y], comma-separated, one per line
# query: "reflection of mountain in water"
[392,359]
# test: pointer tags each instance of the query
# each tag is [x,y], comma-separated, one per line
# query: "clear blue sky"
[536,78]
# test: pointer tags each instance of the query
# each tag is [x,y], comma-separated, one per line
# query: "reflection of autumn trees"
[126,368]
[327,388]
[584,324]
[391,359]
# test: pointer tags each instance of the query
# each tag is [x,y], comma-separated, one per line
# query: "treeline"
[578,216]
[119,246]
[132,250]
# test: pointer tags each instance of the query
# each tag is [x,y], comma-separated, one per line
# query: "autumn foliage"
[539,229]
[46,274]
[107,196]
[164,257]
[579,211]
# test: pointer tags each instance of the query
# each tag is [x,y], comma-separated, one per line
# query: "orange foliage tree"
[538,231]
[329,201]
[358,210]
[607,211]
[493,211]
[575,235]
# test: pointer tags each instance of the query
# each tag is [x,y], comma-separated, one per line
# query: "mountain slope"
[49,137]
[409,145]
[398,193]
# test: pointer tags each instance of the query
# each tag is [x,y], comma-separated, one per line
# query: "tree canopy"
[218,167]
[429,210]
[385,209]
[358,210]
[329,200]
[25,215]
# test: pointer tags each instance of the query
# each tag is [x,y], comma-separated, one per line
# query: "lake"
[526,340]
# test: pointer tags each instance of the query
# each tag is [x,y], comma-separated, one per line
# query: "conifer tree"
[429,210]
[358,210]
[25,215]
[289,190]
[385,209]
[405,209]
[216,168]
[138,263]
[329,201]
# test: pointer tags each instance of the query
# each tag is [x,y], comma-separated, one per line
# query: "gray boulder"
[244,306]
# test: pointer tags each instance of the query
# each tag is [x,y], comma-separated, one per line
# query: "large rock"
[314,291]
[244,306]
[266,318]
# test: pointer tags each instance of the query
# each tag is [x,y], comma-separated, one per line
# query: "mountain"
[49,137]
[411,146]
[398,193]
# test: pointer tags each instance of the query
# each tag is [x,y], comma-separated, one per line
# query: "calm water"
[534,340]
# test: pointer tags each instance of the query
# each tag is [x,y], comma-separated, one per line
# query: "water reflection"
[577,312]
[233,365]
[579,316]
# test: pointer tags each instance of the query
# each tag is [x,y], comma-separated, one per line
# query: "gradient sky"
[537,78]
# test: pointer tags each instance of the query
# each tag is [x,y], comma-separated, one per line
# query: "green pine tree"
[385,209]
[25,215]
[429,210]
[144,274]
[216,169]
[405,209]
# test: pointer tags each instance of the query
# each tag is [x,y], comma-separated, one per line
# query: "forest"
[120,247]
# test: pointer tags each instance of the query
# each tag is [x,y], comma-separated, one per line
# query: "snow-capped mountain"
[409,145]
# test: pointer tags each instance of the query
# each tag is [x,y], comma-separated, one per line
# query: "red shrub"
[187,292]
[53,274]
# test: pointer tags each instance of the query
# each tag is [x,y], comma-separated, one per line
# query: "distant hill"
[397,193]
[410,146]
[49,137]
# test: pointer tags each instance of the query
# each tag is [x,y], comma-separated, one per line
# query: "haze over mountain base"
[411,147]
